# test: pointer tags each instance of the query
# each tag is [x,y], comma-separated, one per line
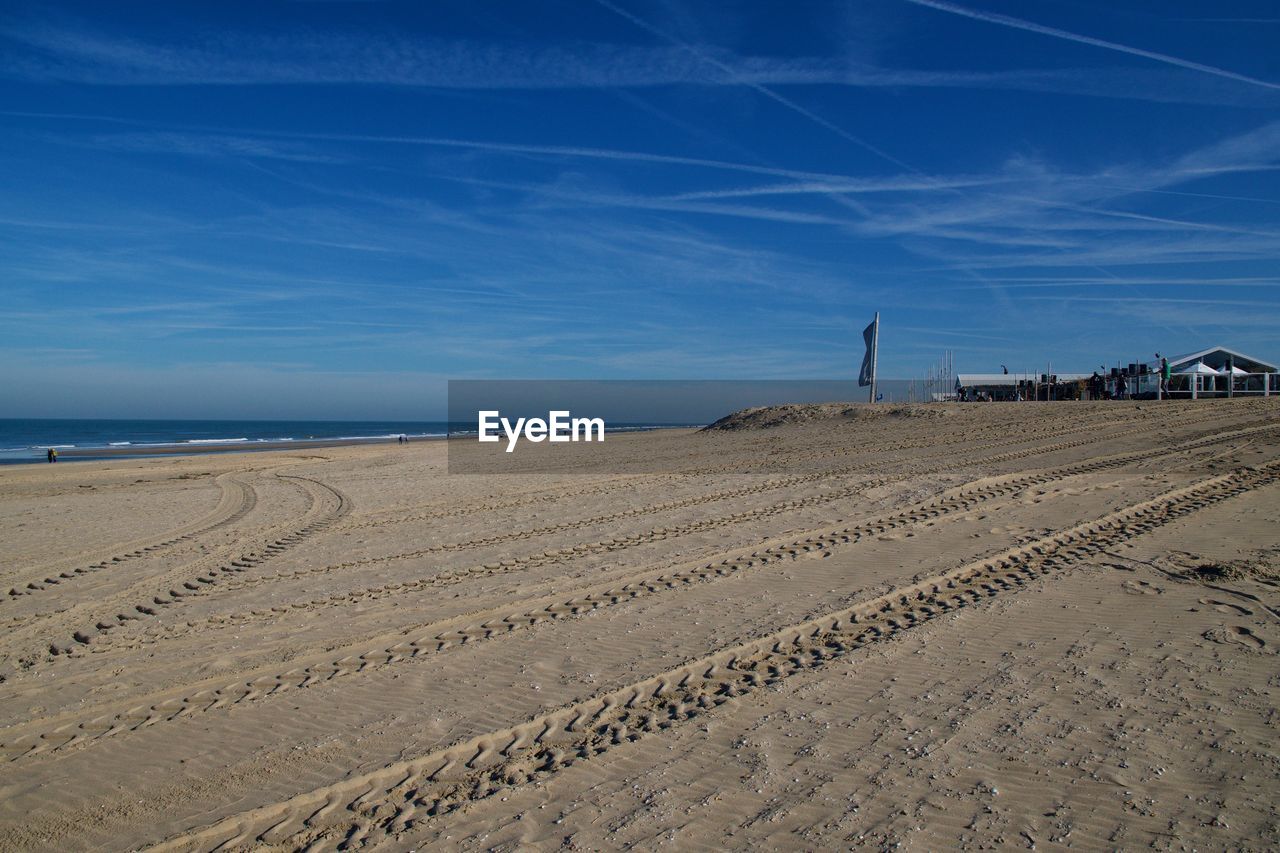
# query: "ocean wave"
[177,444]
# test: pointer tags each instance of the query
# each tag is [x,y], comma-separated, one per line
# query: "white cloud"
[88,56]
[1064,35]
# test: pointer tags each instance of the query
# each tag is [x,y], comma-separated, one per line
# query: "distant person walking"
[1166,373]
[52,455]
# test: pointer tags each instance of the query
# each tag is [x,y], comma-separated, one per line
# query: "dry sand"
[1047,625]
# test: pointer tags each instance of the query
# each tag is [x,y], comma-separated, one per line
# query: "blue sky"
[326,209]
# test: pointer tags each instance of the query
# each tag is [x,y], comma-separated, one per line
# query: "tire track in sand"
[226,582]
[401,646]
[382,805]
[238,500]
[956,499]
[326,505]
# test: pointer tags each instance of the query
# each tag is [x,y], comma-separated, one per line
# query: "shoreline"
[87,454]
[173,451]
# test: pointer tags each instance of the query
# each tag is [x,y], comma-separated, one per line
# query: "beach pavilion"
[1220,372]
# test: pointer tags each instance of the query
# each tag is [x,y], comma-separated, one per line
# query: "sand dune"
[977,625]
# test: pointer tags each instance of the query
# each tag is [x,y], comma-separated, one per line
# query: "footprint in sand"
[1235,635]
[1226,607]
[1137,587]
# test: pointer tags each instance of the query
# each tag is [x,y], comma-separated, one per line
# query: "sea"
[26,440]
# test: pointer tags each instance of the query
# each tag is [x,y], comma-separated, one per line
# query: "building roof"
[1216,357]
[970,380]
[967,379]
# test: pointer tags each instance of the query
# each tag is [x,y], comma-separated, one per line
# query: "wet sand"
[944,626]
[229,447]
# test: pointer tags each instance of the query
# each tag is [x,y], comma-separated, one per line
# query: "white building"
[1219,372]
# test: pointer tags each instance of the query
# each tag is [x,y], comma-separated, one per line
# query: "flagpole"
[875,355]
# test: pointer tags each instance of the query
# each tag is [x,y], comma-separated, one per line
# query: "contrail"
[890,185]
[1019,24]
[442,142]
[1138,217]
[557,151]
[763,90]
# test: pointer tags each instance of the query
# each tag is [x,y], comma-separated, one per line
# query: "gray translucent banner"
[611,426]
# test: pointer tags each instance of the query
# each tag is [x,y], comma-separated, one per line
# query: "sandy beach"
[965,625]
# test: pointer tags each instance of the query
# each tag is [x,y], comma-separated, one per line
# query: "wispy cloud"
[1178,250]
[1114,281]
[629,193]
[85,55]
[565,151]
[731,72]
[1031,213]
[1028,26]
[904,184]
[211,145]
